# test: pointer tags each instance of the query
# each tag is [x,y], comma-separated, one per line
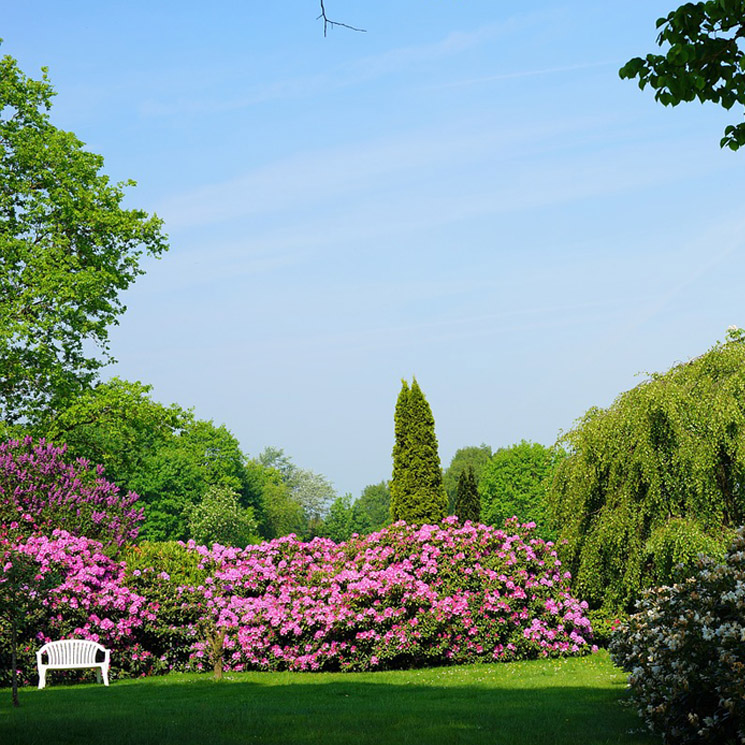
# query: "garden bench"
[68,654]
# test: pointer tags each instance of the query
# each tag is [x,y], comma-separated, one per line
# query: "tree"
[467,502]
[513,483]
[117,424]
[314,493]
[655,479]
[372,510]
[283,515]
[705,59]
[338,523]
[473,456]
[417,493]
[68,250]
[163,453]
[219,518]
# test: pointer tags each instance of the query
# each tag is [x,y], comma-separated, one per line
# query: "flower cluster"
[402,597]
[88,599]
[685,652]
[39,491]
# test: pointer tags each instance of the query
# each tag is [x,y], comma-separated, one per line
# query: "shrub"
[685,651]
[89,600]
[41,492]
[402,597]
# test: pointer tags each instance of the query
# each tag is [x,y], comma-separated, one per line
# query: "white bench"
[68,654]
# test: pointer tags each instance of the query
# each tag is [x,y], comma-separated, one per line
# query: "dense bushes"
[685,652]
[89,600]
[402,597]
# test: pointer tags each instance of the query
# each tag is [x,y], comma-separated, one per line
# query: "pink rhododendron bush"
[40,491]
[685,652]
[86,599]
[402,597]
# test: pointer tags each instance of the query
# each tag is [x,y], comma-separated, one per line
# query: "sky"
[466,192]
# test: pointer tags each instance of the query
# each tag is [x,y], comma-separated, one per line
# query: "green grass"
[562,702]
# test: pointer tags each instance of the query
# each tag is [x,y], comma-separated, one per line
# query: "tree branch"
[327,23]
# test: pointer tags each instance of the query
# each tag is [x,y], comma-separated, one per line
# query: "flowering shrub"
[88,601]
[40,492]
[402,597]
[685,652]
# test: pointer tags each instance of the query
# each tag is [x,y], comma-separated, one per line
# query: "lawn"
[561,702]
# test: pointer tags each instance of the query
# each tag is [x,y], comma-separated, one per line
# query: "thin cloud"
[525,74]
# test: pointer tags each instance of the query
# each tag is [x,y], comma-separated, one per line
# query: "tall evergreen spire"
[417,493]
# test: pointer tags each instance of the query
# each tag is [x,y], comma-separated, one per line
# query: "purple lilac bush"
[402,597]
[41,492]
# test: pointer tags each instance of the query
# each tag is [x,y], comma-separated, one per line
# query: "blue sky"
[467,193]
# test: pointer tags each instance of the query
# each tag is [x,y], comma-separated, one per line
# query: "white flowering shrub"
[685,651]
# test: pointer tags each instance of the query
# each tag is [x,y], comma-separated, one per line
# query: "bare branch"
[330,24]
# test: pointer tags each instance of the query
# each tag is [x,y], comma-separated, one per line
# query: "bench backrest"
[72,651]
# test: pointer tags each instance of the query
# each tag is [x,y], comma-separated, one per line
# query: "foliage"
[338,525]
[705,59]
[294,499]
[604,626]
[283,515]
[467,503]
[88,600]
[163,453]
[655,478]
[314,493]
[366,514]
[473,456]
[68,250]
[116,424]
[219,518]
[373,508]
[21,591]
[417,493]
[40,491]
[685,654]
[402,597]
[513,483]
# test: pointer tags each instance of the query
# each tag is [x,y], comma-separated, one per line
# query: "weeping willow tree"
[655,479]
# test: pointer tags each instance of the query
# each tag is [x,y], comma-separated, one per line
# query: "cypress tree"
[417,493]
[467,502]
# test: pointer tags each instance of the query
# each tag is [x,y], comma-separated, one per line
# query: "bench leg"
[105,671]
[42,678]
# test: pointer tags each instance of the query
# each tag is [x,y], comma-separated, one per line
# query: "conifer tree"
[467,502]
[417,493]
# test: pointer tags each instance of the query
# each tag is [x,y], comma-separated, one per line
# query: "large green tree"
[655,478]
[68,249]
[704,59]
[513,483]
[163,453]
[417,493]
